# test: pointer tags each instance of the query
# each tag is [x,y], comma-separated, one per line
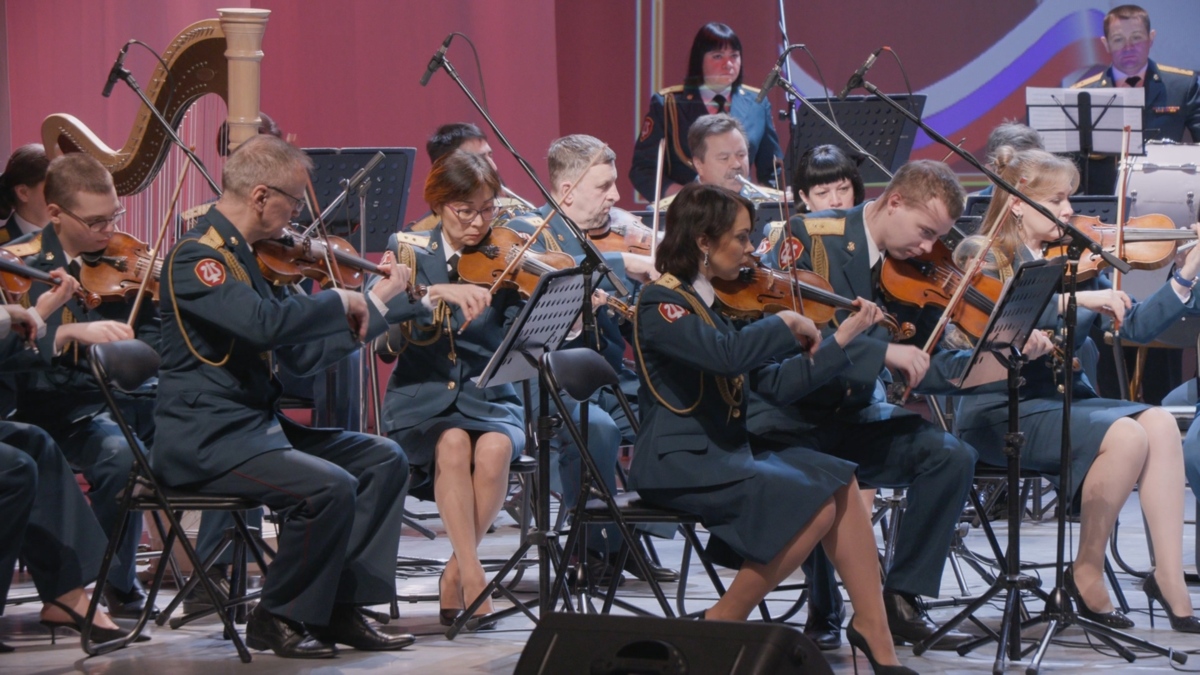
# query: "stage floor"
[199,649]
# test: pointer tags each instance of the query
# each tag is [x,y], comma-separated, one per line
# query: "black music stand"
[875,125]
[387,195]
[541,327]
[999,350]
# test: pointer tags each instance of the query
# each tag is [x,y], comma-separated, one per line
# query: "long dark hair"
[27,166]
[826,164]
[712,36]
[698,210]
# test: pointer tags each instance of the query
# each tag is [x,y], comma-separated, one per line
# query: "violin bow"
[1122,215]
[785,213]
[658,183]
[162,231]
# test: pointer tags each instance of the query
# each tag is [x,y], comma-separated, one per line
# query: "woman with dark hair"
[693,453]
[713,85]
[826,177]
[461,437]
[21,199]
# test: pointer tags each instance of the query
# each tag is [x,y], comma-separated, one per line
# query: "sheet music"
[1112,109]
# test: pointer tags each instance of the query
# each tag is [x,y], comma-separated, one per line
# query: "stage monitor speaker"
[624,645]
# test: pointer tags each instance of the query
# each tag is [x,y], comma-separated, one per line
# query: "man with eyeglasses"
[1172,94]
[61,395]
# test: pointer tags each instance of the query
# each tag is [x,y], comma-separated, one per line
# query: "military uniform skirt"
[420,441]
[1041,422]
[755,518]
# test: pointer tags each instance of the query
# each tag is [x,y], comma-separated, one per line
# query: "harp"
[215,56]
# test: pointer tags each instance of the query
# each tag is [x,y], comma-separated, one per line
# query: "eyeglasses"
[297,202]
[97,224]
[469,214]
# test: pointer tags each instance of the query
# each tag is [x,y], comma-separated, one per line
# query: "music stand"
[871,122]
[1024,298]
[387,195]
[541,327]
[1086,121]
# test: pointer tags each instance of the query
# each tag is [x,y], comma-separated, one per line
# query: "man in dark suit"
[221,432]
[849,417]
[1172,94]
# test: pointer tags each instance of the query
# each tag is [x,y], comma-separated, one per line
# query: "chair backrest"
[579,372]
[125,364]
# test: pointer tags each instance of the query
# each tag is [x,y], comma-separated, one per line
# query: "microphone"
[115,73]
[773,77]
[436,62]
[856,79]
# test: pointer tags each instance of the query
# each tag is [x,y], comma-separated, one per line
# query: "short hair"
[26,166]
[261,160]
[1014,135]
[73,173]
[570,154]
[266,125]
[456,177]
[824,164]
[449,137]
[711,37]
[921,180]
[698,209]
[707,126]
[1122,12]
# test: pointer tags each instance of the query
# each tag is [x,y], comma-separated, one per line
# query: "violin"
[760,290]
[491,262]
[116,273]
[623,233]
[1150,242]
[932,279]
[17,278]
[293,257]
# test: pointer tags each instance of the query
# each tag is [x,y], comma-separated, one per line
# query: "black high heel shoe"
[858,642]
[1182,624]
[76,624]
[1114,619]
[446,617]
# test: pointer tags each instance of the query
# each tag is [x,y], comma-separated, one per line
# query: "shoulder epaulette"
[425,223]
[671,90]
[825,226]
[669,281]
[194,213]
[1177,71]
[411,239]
[752,90]
[1089,81]
[23,249]
[213,238]
[665,202]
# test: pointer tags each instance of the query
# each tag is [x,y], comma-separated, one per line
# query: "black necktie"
[1133,81]
[876,269]
[719,101]
[452,268]
[73,269]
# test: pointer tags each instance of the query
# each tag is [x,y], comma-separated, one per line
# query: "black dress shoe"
[600,571]
[910,623]
[198,601]
[661,574]
[127,605]
[347,626]
[288,639]
[825,633]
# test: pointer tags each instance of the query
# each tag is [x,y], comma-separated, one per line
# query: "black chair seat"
[523,464]
[633,509]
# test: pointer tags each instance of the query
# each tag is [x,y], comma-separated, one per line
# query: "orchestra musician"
[1115,444]
[849,416]
[587,193]
[721,157]
[694,452]
[227,330]
[22,199]
[460,437]
[713,85]
[61,396]
[1172,103]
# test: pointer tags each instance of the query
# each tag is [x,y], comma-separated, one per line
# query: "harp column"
[244,29]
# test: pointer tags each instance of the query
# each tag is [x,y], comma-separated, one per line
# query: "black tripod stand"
[1009,327]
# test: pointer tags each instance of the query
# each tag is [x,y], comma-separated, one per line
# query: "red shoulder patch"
[647,128]
[764,247]
[789,250]
[672,312]
[210,272]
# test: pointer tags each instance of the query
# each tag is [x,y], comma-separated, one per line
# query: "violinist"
[849,417]
[61,395]
[22,199]
[825,178]
[769,508]
[1115,444]
[227,331]
[587,191]
[458,436]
